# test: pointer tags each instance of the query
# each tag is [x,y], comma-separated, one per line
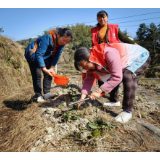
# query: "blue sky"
[20,22]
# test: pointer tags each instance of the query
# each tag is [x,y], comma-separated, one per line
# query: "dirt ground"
[46,127]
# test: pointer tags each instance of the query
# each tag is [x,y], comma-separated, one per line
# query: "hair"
[101,14]
[81,53]
[64,32]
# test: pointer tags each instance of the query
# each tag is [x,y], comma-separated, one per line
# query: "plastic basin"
[60,80]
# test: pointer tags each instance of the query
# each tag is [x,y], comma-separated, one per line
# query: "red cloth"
[112,34]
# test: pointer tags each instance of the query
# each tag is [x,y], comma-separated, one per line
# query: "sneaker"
[112,103]
[40,99]
[123,117]
[49,95]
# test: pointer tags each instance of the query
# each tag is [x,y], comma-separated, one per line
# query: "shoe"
[49,95]
[112,103]
[123,117]
[40,99]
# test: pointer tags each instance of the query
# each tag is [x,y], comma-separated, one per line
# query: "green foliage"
[70,116]
[98,127]
[147,35]
[1,30]
[45,32]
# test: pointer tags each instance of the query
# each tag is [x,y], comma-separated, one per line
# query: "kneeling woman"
[112,64]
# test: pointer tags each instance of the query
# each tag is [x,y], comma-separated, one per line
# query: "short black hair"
[101,14]
[81,53]
[64,32]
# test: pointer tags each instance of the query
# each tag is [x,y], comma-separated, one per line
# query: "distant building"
[157,42]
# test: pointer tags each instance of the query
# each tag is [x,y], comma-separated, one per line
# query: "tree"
[30,40]
[148,35]
[125,33]
[45,32]
[1,30]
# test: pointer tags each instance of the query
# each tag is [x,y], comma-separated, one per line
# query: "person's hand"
[79,104]
[96,94]
[83,96]
[47,71]
[135,44]
[52,69]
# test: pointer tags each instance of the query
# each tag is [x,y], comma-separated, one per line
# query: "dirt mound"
[14,70]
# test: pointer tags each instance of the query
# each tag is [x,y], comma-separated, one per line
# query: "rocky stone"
[48,138]
[37,143]
[84,135]
[49,130]
[33,149]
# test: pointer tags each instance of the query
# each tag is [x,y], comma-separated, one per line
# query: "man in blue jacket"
[43,54]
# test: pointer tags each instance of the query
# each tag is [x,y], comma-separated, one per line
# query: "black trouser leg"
[114,97]
[47,80]
[36,78]
[114,94]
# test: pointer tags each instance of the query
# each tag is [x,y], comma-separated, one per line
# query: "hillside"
[14,71]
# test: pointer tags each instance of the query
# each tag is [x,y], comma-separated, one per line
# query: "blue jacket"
[42,49]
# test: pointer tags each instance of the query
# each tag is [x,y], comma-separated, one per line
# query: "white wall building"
[158,42]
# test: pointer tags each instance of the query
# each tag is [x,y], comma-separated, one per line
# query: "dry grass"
[21,125]
[14,70]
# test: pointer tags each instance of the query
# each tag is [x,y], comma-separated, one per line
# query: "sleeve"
[57,56]
[42,48]
[124,38]
[88,82]
[114,64]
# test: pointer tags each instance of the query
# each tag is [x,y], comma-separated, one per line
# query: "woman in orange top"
[107,33]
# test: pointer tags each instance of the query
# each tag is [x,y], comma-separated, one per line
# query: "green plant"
[66,86]
[61,107]
[153,85]
[66,116]
[98,127]
[70,116]
[1,30]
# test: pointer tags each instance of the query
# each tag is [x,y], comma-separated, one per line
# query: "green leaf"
[95,133]
[83,131]
[89,120]
[61,107]
[74,117]
[81,139]
[93,125]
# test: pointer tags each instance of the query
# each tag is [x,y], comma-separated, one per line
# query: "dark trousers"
[130,84]
[37,76]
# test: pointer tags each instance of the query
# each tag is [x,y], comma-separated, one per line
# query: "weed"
[66,86]
[144,115]
[98,127]
[153,85]
[61,107]
[70,116]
